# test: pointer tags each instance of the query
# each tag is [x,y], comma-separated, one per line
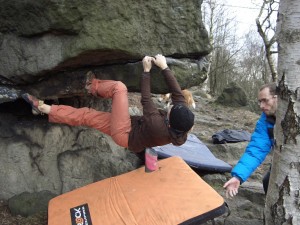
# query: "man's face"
[267,102]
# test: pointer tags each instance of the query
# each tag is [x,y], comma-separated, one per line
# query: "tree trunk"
[283,199]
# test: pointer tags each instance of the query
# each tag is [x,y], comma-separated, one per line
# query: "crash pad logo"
[80,215]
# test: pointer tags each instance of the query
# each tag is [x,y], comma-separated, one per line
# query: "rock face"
[41,38]
[36,155]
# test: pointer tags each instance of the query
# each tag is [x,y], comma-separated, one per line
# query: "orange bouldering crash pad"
[173,194]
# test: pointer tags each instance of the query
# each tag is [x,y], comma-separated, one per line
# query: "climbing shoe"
[34,102]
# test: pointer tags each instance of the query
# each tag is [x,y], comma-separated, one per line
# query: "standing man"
[261,143]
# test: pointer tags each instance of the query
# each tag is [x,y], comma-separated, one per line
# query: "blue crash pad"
[195,154]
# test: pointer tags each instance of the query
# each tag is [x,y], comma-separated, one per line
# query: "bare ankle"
[44,108]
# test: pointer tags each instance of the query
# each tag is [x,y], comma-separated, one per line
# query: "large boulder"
[39,38]
[233,95]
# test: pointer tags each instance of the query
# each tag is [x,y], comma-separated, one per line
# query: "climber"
[155,127]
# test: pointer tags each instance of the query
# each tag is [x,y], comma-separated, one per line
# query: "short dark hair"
[272,88]
[181,118]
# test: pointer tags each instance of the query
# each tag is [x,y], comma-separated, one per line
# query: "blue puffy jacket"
[260,145]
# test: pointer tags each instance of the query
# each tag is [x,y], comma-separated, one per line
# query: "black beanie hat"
[181,118]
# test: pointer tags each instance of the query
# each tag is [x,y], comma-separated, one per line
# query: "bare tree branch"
[263,28]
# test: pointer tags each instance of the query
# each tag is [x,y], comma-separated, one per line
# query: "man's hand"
[160,61]
[232,187]
[147,63]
